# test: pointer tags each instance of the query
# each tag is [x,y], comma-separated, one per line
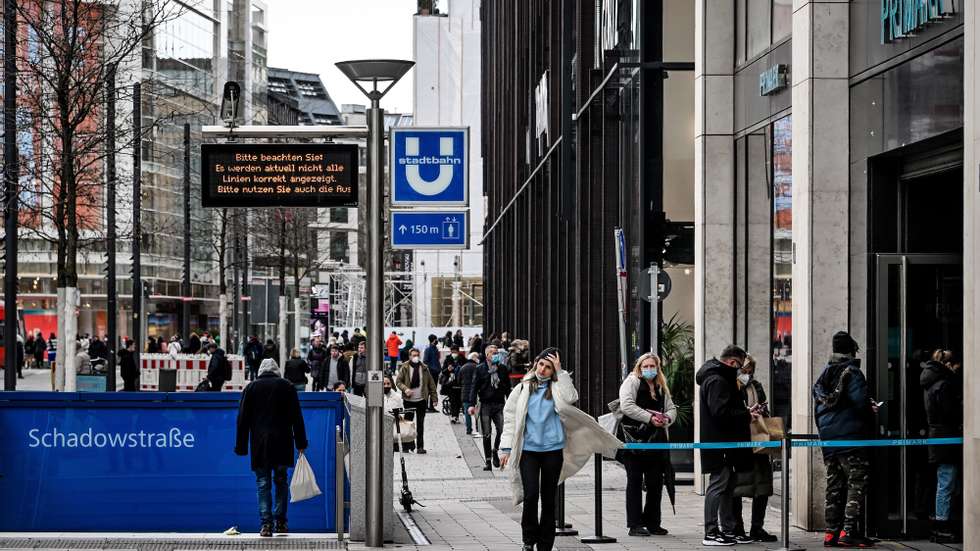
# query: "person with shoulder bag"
[648,410]
[756,483]
[548,440]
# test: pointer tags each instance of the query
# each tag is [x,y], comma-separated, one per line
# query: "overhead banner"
[145,462]
[278,175]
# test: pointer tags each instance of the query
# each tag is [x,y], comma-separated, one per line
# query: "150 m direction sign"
[412,229]
[278,175]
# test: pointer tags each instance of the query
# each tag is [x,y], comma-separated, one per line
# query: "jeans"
[539,476]
[945,487]
[419,409]
[466,416]
[264,479]
[300,388]
[759,504]
[718,498]
[491,413]
[639,467]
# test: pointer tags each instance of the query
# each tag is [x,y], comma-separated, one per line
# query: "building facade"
[587,123]
[829,183]
[449,289]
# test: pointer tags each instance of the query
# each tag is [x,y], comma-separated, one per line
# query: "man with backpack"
[219,368]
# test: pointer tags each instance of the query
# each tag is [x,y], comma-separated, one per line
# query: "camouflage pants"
[847,484]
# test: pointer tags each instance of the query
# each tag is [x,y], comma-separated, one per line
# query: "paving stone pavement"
[469,509]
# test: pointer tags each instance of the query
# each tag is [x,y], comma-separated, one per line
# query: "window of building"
[339,215]
[759,24]
[339,247]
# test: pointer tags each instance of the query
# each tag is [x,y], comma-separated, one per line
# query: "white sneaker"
[477,435]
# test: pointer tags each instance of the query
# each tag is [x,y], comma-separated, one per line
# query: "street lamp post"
[387,72]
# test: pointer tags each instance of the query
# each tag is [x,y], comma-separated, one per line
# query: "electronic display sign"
[279,175]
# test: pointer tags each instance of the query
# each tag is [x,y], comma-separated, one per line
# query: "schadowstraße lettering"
[173,438]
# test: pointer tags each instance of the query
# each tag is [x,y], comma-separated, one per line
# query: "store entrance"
[917,297]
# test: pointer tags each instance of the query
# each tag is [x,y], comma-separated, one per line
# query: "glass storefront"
[782,267]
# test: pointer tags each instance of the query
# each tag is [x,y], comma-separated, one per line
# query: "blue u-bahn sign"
[412,229]
[429,166]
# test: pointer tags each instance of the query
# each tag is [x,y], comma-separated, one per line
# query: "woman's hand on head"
[555,361]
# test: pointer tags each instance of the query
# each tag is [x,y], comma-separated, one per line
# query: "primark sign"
[904,18]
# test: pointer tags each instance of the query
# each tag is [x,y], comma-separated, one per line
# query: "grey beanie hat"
[269,365]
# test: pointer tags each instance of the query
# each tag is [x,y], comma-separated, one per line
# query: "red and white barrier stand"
[191,370]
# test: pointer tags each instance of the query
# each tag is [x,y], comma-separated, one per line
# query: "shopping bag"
[303,485]
[406,431]
[766,429]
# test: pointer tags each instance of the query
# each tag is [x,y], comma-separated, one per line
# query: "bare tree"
[71,47]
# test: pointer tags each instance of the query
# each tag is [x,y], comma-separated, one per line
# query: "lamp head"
[375,71]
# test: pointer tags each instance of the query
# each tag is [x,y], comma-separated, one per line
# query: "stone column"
[714,184]
[820,231]
[971,265]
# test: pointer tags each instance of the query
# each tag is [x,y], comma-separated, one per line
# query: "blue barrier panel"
[145,462]
[795,444]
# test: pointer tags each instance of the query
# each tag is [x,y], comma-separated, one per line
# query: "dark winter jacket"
[431,359]
[270,422]
[449,381]
[943,397]
[98,349]
[253,353]
[194,344]
[270,351]
[127,368]
[723,416]
[343,370]
[40,348]
[842,407]
[219,370]
[467,378]
[484,389]
[316,358]
[296,370]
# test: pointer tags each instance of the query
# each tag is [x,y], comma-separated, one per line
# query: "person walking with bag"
[545,440]
[269,423]
[419,390]
[648,410]
[491,386]
[757,483]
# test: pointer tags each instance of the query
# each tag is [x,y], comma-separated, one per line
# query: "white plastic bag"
[609,422]
[407,429]
[303,485]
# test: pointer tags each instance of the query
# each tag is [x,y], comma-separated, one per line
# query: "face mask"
[387,390]
[744,378]
[498,357]
[415,359]
[541,378]
[649,373]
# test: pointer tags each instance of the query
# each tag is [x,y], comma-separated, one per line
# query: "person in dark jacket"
[724,418]
[756,483]
[458,339]
[477,346]
[942,387]
[431,357]
[219,369]
[19,353]
[492,387]
[296,370]
[269,423]
[449,386]
[467,376]
[359,369]
[843,410]
[335,371]
[97,349]
[127,367]
[315,358]
[356,339]
[194,344]
[253,356]
[40,351]
[270,351]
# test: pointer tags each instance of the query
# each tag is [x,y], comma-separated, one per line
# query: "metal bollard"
[561,527]
[598,537]
[339,502]
[785,497]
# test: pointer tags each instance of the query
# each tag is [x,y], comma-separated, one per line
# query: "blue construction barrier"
[795,444]
[146,462]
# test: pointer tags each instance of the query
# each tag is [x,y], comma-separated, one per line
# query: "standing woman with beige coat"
[545,440]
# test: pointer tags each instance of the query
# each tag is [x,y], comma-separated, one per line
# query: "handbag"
[203,386]
[767,429]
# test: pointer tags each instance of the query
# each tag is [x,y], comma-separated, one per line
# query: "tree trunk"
[223,323]
[71,334]
[59,352]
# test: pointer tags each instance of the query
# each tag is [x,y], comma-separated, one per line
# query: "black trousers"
[419,409]
[639,467]
[539,476]
[455,402]
[491,414]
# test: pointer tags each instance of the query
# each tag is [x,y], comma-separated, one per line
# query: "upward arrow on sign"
[402,228]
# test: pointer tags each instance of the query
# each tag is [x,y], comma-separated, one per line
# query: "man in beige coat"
[419,391]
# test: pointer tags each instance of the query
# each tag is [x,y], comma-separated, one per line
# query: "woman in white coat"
[644,400]
[546,439]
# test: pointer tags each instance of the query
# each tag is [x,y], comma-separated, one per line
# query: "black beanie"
[843,343]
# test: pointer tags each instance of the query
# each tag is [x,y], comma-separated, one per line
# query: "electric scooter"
[406,500]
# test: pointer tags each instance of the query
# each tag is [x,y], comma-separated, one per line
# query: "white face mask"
[744,378]
[415,359]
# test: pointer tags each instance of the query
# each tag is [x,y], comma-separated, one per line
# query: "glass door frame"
[881,329]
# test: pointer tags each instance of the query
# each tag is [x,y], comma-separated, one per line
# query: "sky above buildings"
[312,35]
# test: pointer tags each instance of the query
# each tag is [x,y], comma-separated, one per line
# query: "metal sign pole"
[785,497]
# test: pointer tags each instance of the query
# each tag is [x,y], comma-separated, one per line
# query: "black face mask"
[388,390]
